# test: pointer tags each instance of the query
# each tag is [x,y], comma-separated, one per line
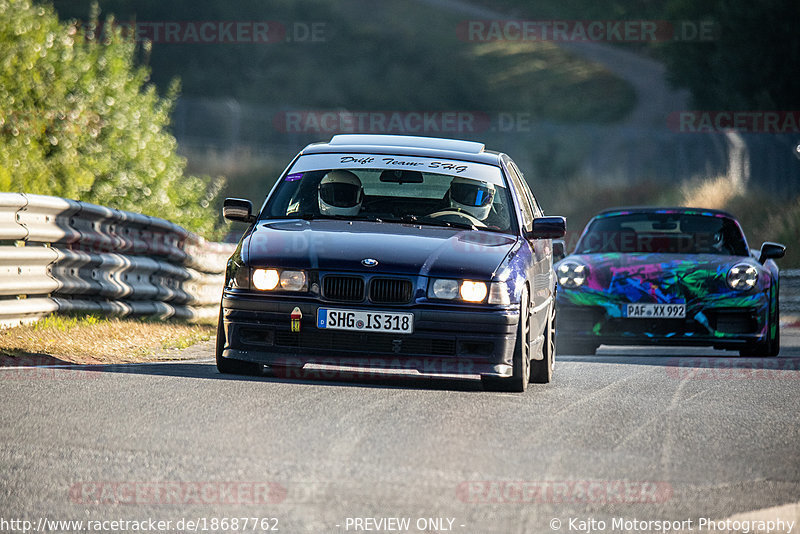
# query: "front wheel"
[518,382]
[771,346]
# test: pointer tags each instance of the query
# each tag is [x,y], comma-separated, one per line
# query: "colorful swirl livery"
[668,276]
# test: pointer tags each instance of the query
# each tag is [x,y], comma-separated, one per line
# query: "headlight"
[270,279]
[468,290]
[293,280]
[473,291]
[444,289]
[742,277]
[572,274]
[265,279]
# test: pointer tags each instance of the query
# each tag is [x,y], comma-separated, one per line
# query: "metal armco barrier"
[59,255]
[790,291]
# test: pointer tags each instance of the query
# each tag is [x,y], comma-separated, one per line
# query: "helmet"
[340,193]
[472,196]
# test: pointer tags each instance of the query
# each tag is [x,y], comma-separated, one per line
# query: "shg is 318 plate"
[365,321]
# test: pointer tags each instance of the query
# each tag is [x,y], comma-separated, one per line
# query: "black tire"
[518,382]
[775,341]
[542,370]
[771,346]
[229,366]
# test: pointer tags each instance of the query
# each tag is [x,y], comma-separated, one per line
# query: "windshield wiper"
[465,226]
[318,216]
[408,219]
[413,219]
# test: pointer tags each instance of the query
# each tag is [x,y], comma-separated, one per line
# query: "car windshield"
[671,233]
[448,199]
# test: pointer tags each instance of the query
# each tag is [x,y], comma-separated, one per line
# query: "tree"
[79,120]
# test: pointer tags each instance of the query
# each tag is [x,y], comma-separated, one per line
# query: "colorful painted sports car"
[668,276]
[424,254]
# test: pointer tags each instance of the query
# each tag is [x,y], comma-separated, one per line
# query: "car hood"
[658,277]
[332,245]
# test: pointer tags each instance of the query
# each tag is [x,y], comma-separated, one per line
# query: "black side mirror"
[238,209]
[547,228]
[771,251]
[559,250]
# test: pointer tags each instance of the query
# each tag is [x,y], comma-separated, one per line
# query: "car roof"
[407,145]
[663,209]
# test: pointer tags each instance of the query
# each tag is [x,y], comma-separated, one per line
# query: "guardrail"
[790,291]
[59,255]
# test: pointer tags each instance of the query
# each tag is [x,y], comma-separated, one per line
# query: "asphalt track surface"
[631,433]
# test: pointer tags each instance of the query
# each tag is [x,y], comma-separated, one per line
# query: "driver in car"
[471,199]
[340,193]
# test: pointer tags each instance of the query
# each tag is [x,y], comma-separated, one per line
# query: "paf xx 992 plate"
[656,311]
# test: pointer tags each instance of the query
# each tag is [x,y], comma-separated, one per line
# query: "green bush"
[79,120]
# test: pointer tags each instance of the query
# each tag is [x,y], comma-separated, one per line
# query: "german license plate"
[365,321]
[656,311]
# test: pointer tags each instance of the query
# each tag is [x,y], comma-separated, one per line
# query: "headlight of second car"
[572,274]
[272,279]
[742,277]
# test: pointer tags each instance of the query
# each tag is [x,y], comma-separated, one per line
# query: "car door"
[541,263]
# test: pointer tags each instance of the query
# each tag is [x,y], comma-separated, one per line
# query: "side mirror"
[547,228]
[559,250]
[771,251]
[238,209]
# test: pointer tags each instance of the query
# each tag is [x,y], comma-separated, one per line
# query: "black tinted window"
[666,233]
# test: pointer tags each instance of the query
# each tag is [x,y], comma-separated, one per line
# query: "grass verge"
[94,340]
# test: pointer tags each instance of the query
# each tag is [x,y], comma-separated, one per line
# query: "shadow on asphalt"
[686,366]
[16,358]
[322,377]
[691,357]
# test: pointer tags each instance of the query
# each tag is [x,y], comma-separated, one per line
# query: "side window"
[527,210]
[537,210]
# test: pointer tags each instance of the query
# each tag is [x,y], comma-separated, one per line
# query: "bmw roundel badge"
[369,262]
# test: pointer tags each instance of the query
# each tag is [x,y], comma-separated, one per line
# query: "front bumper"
[447,340]
[721,324]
